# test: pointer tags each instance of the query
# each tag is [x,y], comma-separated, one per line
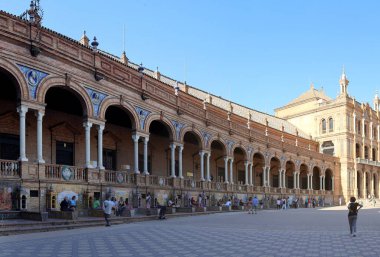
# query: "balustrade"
[53,171]
[9,168]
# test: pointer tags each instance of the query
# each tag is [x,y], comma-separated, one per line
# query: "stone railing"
[53,171]
[119,177]
[9,168]
[369,162]
[158,181]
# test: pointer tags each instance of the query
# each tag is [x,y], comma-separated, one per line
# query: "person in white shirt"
[228,203]
[108,205]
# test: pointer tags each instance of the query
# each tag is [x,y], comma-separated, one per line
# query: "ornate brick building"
[75,120]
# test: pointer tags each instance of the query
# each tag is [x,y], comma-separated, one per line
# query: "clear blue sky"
[261,54]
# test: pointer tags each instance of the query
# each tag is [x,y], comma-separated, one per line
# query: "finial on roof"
[84,40]
[343,82]
[95,44]
[157,74]
[312,86]
[124,58]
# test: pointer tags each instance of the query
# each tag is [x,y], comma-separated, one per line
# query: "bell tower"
[376,102]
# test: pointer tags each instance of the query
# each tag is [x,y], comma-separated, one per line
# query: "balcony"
[9,169]
[368,162]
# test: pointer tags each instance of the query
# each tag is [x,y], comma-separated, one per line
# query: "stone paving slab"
[300,232]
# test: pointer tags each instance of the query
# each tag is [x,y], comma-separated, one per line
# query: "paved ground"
[301,232]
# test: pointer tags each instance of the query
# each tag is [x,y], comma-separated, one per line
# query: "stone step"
[13,227]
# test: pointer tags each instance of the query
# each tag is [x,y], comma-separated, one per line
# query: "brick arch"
[74,87]
[114,101]
[221,141]
[164,120]
[12,69]
[195,131]
[242,148]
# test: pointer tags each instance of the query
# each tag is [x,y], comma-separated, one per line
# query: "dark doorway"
[9,147]
[109,159]
[65,153]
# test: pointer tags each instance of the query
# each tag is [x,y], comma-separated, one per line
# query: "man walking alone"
[108,205]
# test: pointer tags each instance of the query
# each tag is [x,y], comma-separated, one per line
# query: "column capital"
[146,140]
[87,124]
[246,163]
[226,158]
[100,127]
[22,109]
[135,137]
[231,159]
[39,113]
[201,153]
[172,146]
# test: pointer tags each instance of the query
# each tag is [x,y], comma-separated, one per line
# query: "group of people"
[253,204]
[68,205]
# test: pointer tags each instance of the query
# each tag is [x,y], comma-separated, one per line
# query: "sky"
[261,54]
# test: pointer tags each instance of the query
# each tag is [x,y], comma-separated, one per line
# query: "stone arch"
[290,167]
[12,69]
[164,120]
[316,183]
[328,179]
[274,174]
[258,165]
[74,87]
[221,140]
[376,184]
[113,101]
[195,131]
[303,176]
[244,150]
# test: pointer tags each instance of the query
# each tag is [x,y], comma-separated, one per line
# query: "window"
[33,193]
[109,159]
[357,150]
[366,153]
[331,125]
[365,130]
[323,126]
[328,148]
[64,153]
[359,126]
[374,154]
[374,134]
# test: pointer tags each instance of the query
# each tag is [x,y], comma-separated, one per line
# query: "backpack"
[353,209]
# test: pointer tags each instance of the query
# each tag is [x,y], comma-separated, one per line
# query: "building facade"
[75,120]
[344,128]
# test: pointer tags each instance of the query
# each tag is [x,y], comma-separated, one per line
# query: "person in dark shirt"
[65,204]
[353,208]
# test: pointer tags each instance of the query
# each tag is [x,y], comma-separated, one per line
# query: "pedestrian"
[374,202]
[120,207]
[148,200]
[353,208]
[255,203]
[278,203]
[108,205]
[340,200]
[65,204]
[199,200]
[284,203]
[73,203]
[249,206]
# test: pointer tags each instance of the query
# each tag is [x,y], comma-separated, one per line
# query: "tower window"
[323,126]
[331,125]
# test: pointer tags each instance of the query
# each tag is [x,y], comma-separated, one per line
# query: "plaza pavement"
[295,232]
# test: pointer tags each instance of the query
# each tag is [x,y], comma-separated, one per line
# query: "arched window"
[374,154]
[331,124]
[359,126]
[323,126]
[366,152]
[357,151]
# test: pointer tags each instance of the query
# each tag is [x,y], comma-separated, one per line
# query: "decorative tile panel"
[96,99]
[33,77]
[206,137]
[142,114]
[178,126]
[229,144]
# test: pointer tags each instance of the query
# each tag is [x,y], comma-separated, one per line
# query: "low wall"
[214,208]
[39,216]
[186,209]
[66,215]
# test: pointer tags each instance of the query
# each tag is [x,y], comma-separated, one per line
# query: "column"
[268,176]
[294,180]
[202,155]
[226,170]
[100,147]
[321,182]
[180,161]
[308,181]
[284,179]
[40,115]
[311,181]
[87,126]
[135,138]
[371,185]
[298,180]
[22,110]
[172,159]
[146,172]
[264,176]
[208,177]
[324,183]
[231,171]
[246,172]
[250,174]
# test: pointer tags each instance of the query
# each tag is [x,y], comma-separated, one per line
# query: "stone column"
[311,182]
[308,181]
[294,180]
[202,155]
[22,110]
[250,174]
[324,183]
[268,176]
[264,176]
[246,172]
[180,150]
[146,140]
[40,115]
[371,185]
[100,147]
[321,182]
[172,159]
[226,170]
[231,171]
[284,179]
[87,126]
[208,177]
[136,153]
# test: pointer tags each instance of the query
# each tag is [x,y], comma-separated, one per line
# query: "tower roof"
[310,95]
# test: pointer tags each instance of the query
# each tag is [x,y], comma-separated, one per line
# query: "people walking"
[108,205]
[148,200]
[250,206]
[353,208]
[255,204]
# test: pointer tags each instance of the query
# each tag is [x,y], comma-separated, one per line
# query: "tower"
[376,103]
[343,83]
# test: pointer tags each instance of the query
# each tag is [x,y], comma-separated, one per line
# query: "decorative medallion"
[218,186]
[239,188]
[206,137]
[33,77]
[96,99]
[178,126]
[192,183]
[161,181]
[67,173]
[119,177]
[230,144]
[142,115]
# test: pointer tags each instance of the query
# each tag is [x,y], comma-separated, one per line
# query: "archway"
[9,118]
[316,178]
[239,159]
[63,127]
[376,185]
[328,180]
[289,177]
[159,138]
[191,158]
[218,152]
[275,166]
[258,167]
[367,186]
[117,139]
[303,176]
[359,184]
